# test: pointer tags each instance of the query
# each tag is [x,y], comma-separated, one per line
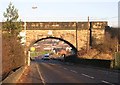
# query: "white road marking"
[40,74]
[87,76]
[65,68]
[107,82]
[73,71]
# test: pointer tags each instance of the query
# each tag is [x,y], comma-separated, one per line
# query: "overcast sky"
[65,10]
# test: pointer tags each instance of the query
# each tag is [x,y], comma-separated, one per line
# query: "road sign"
[32,49]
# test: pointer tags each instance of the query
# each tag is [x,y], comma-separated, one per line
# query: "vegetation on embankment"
[95,54]
[108,49]
[12,53]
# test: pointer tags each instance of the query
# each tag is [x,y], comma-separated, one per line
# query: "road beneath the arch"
[53,71]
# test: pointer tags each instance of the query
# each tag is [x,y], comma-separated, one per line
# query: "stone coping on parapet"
[63,25]
[65,29]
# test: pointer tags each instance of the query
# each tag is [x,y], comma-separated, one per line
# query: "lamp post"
[25,26]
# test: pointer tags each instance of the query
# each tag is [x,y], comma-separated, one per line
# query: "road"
[53,71]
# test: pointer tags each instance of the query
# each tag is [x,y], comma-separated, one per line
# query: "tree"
[13,51]
[11,24]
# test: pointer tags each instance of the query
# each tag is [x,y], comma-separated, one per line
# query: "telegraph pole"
[117,39]
[76,39]
[88,36]
[76,35]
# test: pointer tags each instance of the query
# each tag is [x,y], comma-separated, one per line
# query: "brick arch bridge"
[78,34]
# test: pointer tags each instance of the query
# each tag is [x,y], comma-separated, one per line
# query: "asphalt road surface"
[53,71]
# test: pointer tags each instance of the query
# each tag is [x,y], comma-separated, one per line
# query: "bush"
[109,45]
[117,60]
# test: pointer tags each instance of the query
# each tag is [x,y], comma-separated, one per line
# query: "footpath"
[30,75]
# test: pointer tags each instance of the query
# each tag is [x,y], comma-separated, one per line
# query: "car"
[46,57]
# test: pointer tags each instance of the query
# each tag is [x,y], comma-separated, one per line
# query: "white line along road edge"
[40,74]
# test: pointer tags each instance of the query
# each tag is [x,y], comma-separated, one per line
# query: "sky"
[65,10]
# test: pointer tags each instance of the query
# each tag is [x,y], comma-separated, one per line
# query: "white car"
[46,57]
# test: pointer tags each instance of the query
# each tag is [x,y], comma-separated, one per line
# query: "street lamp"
[34,7]
[25,25]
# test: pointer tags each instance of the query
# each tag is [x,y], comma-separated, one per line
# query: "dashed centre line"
[65,68]
[107,82]
[73,71]
[87,76]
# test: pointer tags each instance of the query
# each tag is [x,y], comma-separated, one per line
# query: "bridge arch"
[71,45]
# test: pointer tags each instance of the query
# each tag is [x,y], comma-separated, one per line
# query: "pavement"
[30,75]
